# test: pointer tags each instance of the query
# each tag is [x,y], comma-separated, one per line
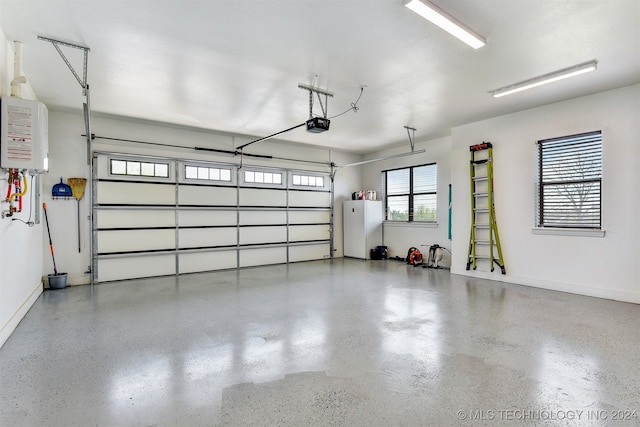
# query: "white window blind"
[570,181]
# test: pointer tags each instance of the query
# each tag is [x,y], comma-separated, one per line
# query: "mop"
[56,281]
[77,189]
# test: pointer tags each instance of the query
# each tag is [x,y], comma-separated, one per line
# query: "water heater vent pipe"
[18,78]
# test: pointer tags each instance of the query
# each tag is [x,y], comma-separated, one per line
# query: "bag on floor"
[379,252]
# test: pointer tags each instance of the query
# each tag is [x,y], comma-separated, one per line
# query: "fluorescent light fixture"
[547,78]
[442,19]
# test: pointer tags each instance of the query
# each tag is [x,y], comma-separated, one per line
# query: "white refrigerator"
[362,223]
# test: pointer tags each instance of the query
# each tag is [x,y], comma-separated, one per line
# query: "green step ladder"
[485,240]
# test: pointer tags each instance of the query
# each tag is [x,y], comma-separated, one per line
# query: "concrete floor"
[348,342]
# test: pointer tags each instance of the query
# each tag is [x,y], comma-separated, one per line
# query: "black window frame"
[584,150]
[411,194]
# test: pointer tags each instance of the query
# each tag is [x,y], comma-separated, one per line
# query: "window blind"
[570,181]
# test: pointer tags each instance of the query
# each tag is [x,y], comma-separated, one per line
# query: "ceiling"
[235,65]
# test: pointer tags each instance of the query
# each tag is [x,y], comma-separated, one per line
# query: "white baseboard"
[16,317]
[572,288]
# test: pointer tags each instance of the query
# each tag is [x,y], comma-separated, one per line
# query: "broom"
[77,189]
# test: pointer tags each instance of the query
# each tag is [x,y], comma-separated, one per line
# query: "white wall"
[21,246]
[596,266]
[399,237]
[68,158]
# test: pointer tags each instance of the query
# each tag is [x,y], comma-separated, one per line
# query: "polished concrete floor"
[344,342]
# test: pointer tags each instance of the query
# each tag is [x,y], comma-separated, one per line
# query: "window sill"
[411,224]
[568,232]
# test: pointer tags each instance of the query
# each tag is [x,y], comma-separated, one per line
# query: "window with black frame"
[138,168]
[410,194]
[569,184]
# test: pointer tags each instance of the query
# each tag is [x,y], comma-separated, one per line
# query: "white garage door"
[156,217]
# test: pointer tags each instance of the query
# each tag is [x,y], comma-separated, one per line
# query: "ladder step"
[480,178]
[481,225]
[482,242]
[480,162]
[481,210]
[480,194]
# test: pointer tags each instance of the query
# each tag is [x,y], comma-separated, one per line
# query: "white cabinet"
[362,220]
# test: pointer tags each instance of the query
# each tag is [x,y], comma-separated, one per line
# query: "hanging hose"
[18,192]
[13,180]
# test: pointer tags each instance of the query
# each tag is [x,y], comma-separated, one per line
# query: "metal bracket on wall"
[412,136]
[82,81]
[57,44]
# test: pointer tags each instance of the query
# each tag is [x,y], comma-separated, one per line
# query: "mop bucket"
[57,281]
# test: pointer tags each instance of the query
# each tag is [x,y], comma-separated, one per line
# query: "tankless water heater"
[24,135]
